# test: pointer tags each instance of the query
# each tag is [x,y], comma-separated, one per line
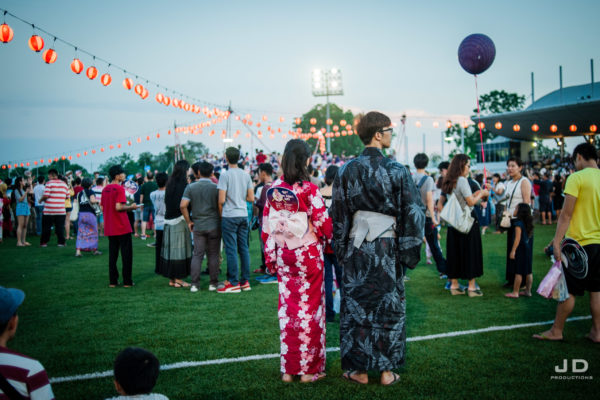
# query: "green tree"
[349,145]
[497,101]
[125,160]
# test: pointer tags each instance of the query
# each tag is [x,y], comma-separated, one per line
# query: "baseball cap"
[10,300]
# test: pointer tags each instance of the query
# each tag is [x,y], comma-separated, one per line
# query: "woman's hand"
[513,255]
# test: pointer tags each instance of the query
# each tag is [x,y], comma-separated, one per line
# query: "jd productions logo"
[572,370]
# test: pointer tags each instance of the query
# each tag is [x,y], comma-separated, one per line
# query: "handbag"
[455,215]
[505,222]
[75,210]
[95,206]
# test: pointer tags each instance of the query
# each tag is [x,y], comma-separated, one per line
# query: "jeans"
[331,262]
[434,246]
[122,242]
[209,243]
[235,238]
[59,227]
[39,211]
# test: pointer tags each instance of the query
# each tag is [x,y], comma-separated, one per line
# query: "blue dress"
[523,256]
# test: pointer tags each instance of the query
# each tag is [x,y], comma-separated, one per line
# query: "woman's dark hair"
[479,179]
[524,215]
[179,175]
[557,178]
[371,123]
[17,183]
[455,170]
[330,174]
[86,183]
[293,162]
[136,370]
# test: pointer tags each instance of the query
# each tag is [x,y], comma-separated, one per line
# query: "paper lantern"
[281,119]
[418,124]
[159,97]
[476,53]
[129,143]
[6,33]
[144,94]
[111,147]
[186,107]
[119,146]
[167,100]
[49,56]
[36,43]
[264,117]
[91,72]
[516,128]
[313,121]
[127,83]
[343,122]
[85,153]
[76,66]
[102,149]
[175,102]
[106,79]
[535,127]
[573,128]
[481,125]
[498,125]
[593,128]
[297,121]
[93,151]
[138,89]
[553,128]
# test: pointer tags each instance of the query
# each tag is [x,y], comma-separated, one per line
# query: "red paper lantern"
[343,122]
[138,89]
[6,33]
[167,100]
[498,125]
[76,66]
[111,147]
[313,121]
[105,79]
[553,128]
[127,83]
[91,73]
[36,43]
[175,102]
[593,128]
[481,125]
[573,128]
[159,97]
[49,56]
[186,107]
[516,128]
[535,127]
[281,119]
[144,94]
[297,121]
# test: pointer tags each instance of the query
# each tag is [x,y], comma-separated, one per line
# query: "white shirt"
[38,192]
[517,197]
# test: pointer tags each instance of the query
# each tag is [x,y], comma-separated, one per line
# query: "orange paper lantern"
[76,66]
[516,128]
[481,125]
[297,121]
[573,128]
[138,89]
[49,56]
[6,33]
[91,72]
[313,121]
[106,79]
[159,97]
[127,83]
[167,100]
[535,127]
[553,128]
[144,94]
[343,122]
[36,43]
[593,128]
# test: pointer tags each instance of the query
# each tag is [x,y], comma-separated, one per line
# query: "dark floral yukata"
[373,307]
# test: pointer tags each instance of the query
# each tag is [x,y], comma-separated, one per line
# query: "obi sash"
[291,230]
[371,225]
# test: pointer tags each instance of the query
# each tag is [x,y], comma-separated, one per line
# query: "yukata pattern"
[373,307]
[300,274]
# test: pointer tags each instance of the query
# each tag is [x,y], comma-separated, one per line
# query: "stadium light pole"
[327,83]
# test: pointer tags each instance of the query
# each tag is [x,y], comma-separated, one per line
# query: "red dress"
[300,275]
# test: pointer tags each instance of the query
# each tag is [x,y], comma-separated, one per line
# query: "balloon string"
[480,131]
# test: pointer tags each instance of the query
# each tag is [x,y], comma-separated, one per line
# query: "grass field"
[74,324]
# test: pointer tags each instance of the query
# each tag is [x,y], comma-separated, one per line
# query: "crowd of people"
[361,228]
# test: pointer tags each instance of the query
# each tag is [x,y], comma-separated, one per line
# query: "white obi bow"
[290,229]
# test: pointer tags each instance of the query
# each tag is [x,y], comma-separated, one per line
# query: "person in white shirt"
[38,192]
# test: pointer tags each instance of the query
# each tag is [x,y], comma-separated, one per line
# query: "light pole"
[327,83]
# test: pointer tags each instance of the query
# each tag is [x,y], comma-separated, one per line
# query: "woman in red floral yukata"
[296,227]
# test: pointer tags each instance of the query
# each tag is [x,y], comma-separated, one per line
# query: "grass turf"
[74,324]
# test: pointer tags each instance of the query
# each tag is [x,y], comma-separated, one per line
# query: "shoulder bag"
[505,222]
[455,215]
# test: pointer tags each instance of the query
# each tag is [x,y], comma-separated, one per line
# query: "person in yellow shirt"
[580,220]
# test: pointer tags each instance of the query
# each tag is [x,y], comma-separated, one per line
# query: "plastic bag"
[561,292]
[336,301]
[550,281]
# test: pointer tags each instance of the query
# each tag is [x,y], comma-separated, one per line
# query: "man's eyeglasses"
[390,130]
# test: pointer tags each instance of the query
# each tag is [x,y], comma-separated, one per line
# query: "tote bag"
[453,213]
[75,211]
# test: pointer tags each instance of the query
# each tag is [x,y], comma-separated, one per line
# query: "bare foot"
[312,377]
[389,378]
[548,335]
[287,378]
[356,376]
[525,293]
[592,337]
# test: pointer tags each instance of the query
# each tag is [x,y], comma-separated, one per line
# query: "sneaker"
[143,237]
[406,278]
[429,262]
[194,289]
[229,288]
[62,245]
[443,276]
[269,279]
[212,288]
[43,245]
[261,277]
[151,244]
[447,287]
[246,287]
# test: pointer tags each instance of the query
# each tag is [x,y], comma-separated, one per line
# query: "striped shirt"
[25,374]
[57,192]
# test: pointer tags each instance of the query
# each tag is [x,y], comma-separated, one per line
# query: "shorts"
[22,210]
[545,204]
[100,218]
[68,209]
[591,282]
[137,214]
[148,209]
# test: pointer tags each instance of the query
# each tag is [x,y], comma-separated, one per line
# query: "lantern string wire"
[204,102]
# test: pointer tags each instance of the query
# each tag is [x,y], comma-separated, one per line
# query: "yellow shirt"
[585,223]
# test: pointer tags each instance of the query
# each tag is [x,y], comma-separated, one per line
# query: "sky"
[395,56]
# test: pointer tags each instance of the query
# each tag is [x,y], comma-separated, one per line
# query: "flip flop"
[541,336]
[348,376]
[316,377]
[393,382]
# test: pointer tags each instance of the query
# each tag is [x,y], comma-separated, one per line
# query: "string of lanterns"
[49,56]
[535,127]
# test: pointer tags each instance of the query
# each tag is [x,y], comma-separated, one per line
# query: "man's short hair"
[266,167]
[52,171]
[77,181]
[371,123]
[421,160]
[443,165]
[41,179]
[99,181]
[114,171]
[232,154]
[587,151]
[161,179]
[150,175]
[496,175]
[203,168]
[140,181]
[136,370]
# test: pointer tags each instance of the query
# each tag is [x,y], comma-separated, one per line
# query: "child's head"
[523,213]
[136,371]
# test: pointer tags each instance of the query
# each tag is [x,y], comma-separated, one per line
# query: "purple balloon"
[476,53]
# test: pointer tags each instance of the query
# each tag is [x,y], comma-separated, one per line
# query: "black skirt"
[464,255]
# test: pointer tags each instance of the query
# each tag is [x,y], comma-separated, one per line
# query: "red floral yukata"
[300,275]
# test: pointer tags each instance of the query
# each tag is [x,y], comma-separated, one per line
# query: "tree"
[125,160]
[349,145]
[497,101]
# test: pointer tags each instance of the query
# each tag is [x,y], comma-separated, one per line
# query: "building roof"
[572,111]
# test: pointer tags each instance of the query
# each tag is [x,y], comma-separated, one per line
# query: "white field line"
[191,364]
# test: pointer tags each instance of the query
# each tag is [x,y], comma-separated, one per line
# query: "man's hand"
[191,226]
[557,253]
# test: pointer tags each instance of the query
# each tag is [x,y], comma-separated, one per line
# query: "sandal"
[348,375]
[457,291]
[181,284]
[315,377]
[475,293]
[97,253]
[394,381]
